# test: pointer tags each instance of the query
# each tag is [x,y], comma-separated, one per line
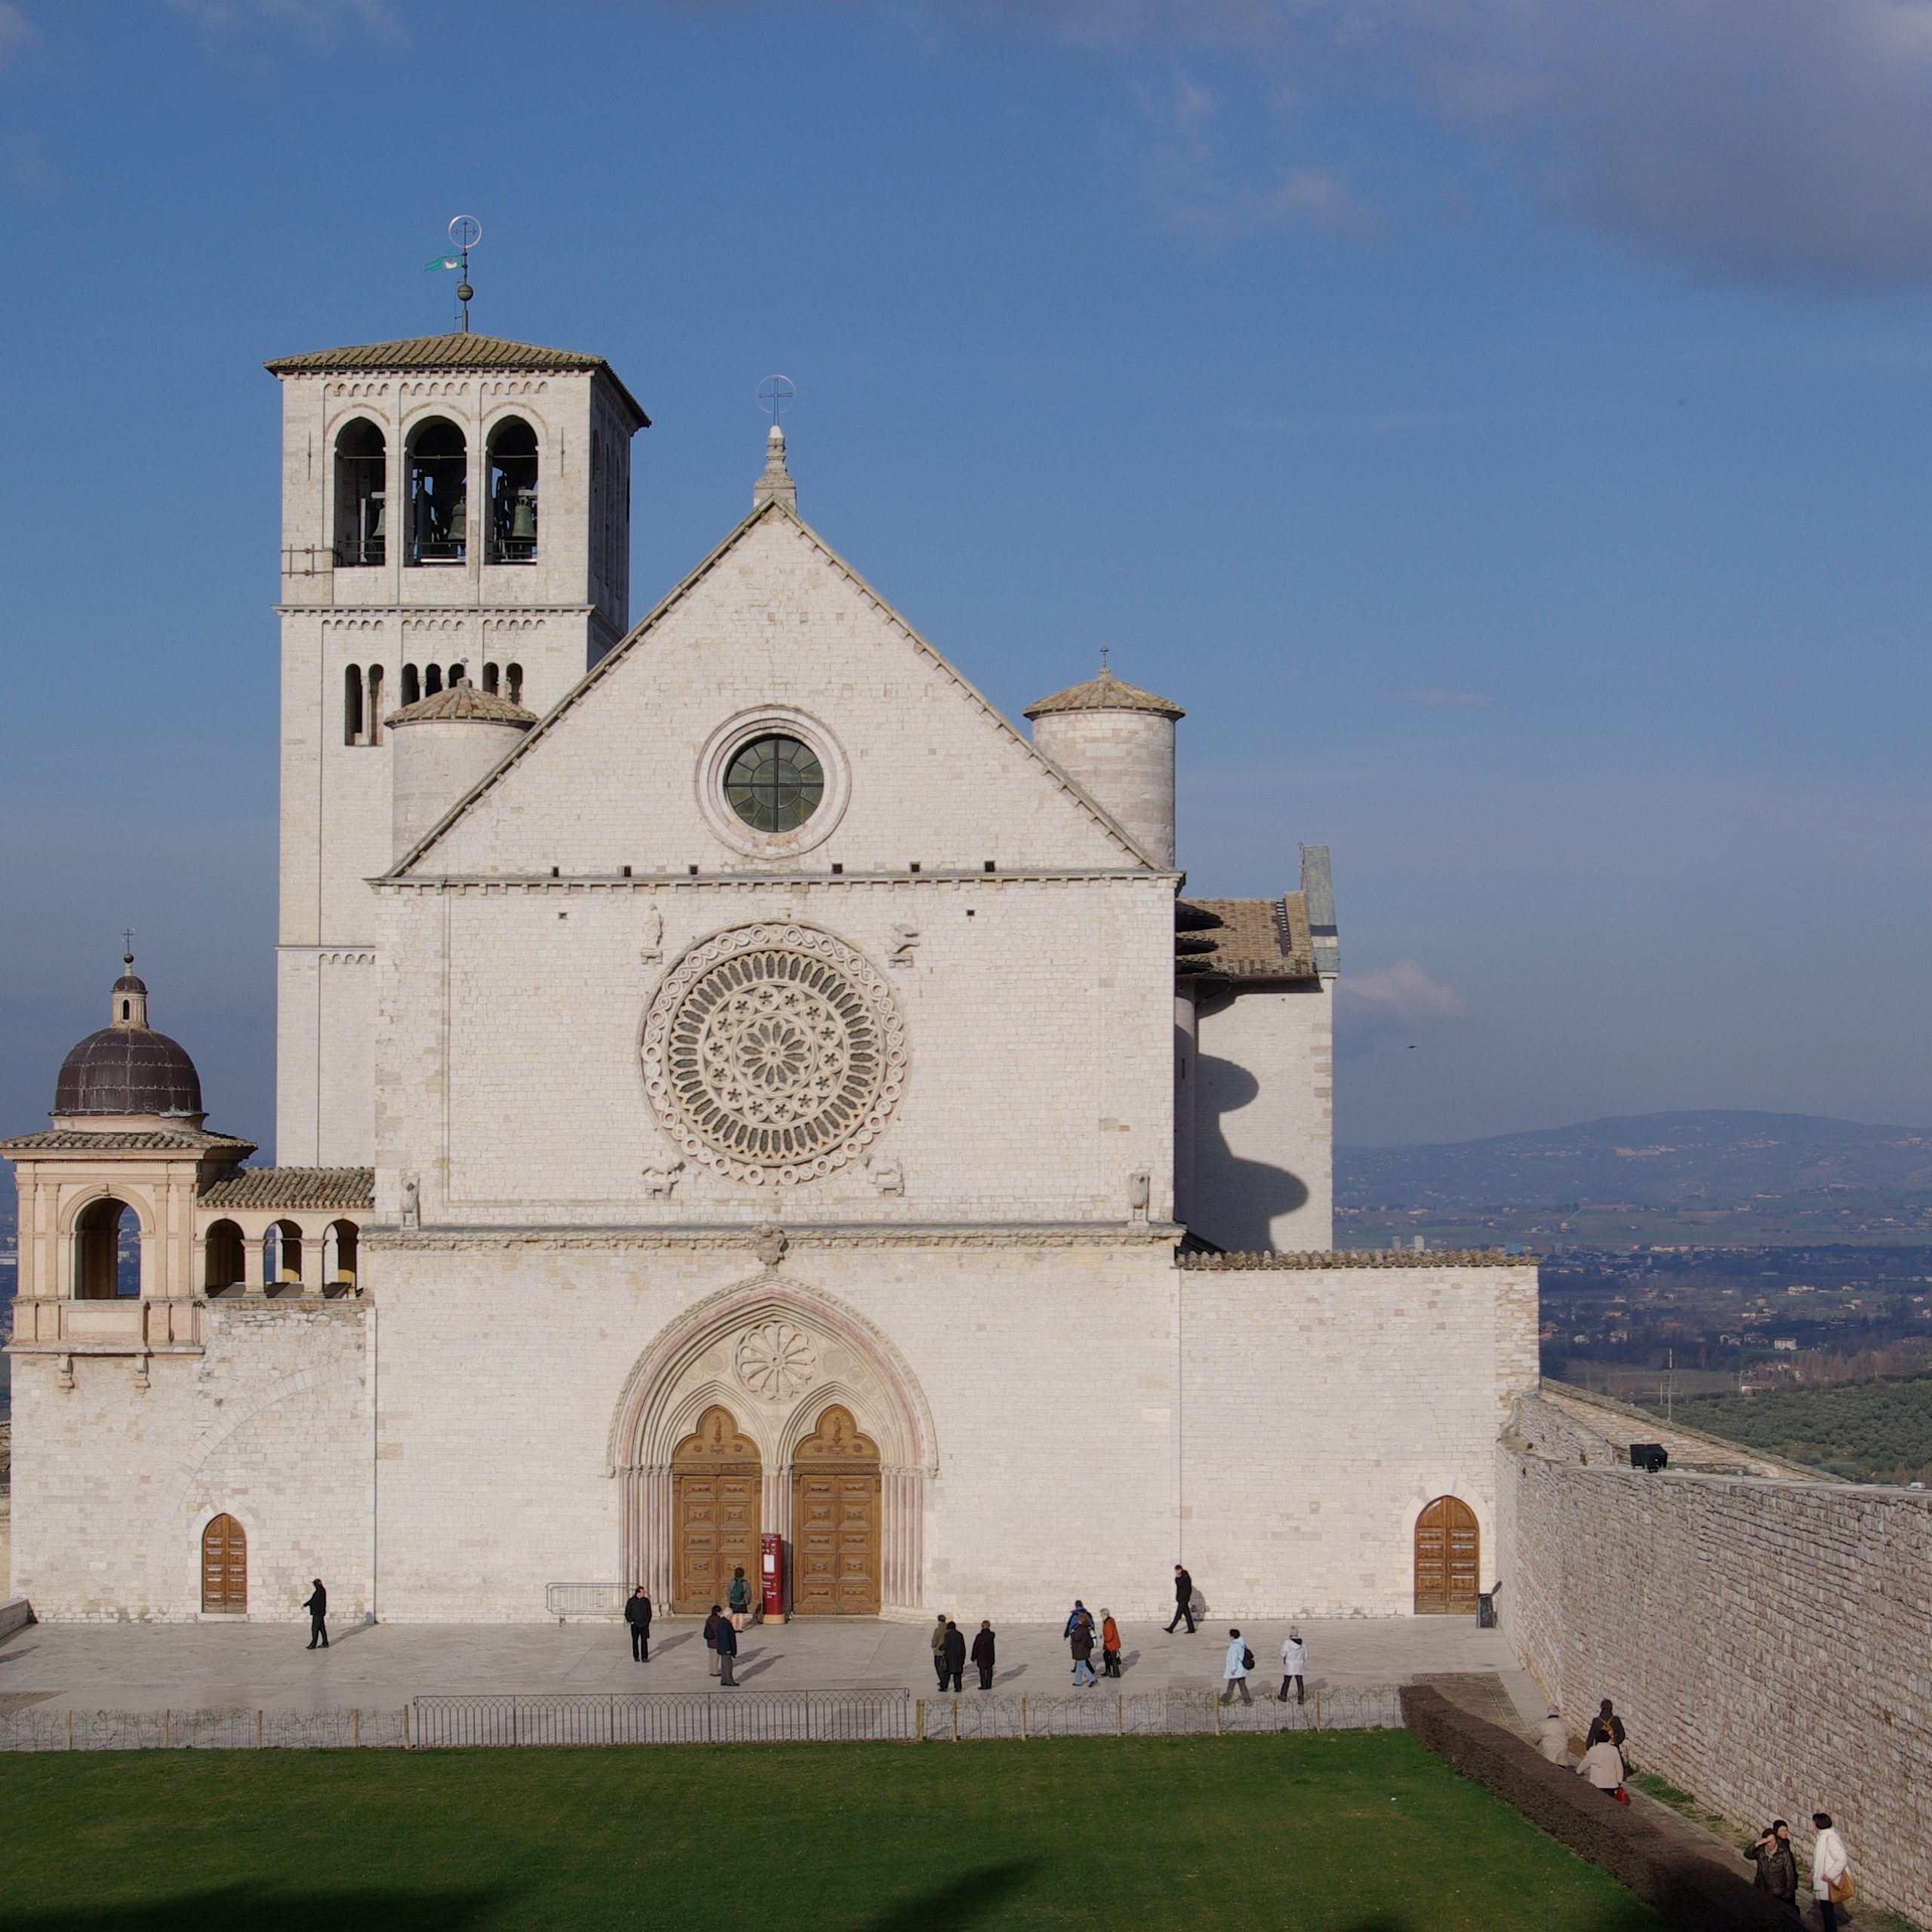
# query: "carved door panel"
[835,1521]
[1448,1559]
[224,1566]
[715,1484]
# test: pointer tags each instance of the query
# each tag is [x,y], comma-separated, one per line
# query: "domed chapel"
[740,1099]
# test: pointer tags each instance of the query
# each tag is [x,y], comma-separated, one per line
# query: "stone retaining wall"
[1768,1641]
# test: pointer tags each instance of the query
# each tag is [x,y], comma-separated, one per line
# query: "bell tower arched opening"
[107,1250]
[361,494]
[512,474]
[438,493]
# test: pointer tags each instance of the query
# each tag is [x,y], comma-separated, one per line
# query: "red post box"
[771,1576]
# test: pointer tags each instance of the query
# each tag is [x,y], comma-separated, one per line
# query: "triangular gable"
[1116,847]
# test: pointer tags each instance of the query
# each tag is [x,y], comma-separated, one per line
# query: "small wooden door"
[1448,1556]
[224,1565]
[835,1521]
[716,1476]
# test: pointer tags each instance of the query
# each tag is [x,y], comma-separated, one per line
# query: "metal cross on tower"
[776,395]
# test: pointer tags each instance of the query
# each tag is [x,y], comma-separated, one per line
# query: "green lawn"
[1353,1832]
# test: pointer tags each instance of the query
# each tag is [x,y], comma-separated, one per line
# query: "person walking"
[727,1652]
[739,1596]
[982,1654]
[1294,1664]
[317,1607]
[1110,1644]
[938,1649]
[1771,1852]
[1553,1740]
[1183,1600]
[1240,1661]
[1605,1724]
[1080,1639]
[952,1658]
[1602,1764]
[637,1614]
[1830,1871]
[711,1626]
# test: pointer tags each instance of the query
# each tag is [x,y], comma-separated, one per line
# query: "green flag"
[443,262]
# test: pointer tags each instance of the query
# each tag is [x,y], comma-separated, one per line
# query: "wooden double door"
[224,1566]
[1448,1559]
[717,1481]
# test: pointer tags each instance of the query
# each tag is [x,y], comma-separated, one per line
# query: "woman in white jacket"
[1829,1863]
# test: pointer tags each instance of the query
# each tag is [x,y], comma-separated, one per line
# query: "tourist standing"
[1771,1852]
[637,1614]
[1080,1640]
[1553,1740]
[711,1627]
[1831,1874]
[982,1654]
[938,1649]
[1109,1644]
[1183,1600]
[739,1596]
[952,1658]
[1294,1664]
[728,1651]
[317,1607]
[1240,1661]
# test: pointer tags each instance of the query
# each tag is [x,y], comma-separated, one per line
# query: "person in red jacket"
[1110,1644]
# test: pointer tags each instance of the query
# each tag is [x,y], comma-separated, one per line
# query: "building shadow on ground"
[977,1899]
[248,1909]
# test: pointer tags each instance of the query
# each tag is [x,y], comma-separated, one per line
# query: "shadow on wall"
[1236,1201]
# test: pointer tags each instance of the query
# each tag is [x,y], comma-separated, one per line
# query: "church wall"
[511,1082]
[1767,1641]
[1323,1407]
[1263,1131]
[112,1484]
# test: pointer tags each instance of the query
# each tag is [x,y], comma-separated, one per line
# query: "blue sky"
[1505,432]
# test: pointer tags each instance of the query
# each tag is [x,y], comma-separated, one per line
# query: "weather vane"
[776,395]
[465,231]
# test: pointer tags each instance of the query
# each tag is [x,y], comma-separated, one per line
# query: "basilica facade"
[740,1101]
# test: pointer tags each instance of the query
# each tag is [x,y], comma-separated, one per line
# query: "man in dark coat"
[317,1607]
[711,1624]
[954,1653]
[728,1651]
[982,1654]
[637,1614]
[1183,1600]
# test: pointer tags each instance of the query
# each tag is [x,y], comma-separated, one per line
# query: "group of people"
[950,1652]
[1605,1764]
[721,1626]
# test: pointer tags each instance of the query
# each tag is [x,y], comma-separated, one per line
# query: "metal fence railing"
[666,1717]
[719,1716]
[561,1600]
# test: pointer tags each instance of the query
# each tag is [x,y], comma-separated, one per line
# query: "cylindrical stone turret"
[1117,742]
[443,746]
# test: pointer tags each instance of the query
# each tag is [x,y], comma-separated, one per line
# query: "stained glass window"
[774,783]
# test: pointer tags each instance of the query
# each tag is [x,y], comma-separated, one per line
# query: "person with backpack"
[1080,1638]
[739,1596]
[1240,1661]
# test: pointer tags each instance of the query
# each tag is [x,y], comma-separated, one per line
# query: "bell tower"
[454,509]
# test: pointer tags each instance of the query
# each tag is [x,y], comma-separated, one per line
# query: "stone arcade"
[730,1080]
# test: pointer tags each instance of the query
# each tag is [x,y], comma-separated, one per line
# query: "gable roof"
[772,510]
[458,349]
[1252,939]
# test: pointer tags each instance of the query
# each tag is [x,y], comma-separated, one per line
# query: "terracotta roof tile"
[62,1140]
[295,1187]
[1105,693]
[461,700]
[1258,939]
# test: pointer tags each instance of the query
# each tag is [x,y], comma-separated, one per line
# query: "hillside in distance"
[1712,1176]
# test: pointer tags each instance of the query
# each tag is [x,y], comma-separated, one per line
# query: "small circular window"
[774,783]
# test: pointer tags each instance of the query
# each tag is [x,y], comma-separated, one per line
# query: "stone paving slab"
[154,1667]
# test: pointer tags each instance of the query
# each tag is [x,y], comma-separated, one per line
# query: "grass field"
[1351,1831]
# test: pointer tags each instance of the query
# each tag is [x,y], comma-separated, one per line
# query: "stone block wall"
[1767,1640]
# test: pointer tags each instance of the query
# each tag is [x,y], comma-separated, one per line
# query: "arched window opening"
[224,1256]
[490,678]
[432,679]
[360,493]
[127,1009]
[374,715]
[515,676]
[339,1258]
[439,494]
[282,1255]
[107,1250]
[458,672]
[513,493]
[351,704]
[412,685]
[224,1566]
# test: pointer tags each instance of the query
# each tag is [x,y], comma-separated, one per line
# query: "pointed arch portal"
[772,1407]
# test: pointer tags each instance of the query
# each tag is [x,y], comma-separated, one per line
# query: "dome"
[128,1068]
[1105,693]
[463,700]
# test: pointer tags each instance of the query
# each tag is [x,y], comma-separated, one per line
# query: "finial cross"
[775,395]
[1104,672]
[127,943]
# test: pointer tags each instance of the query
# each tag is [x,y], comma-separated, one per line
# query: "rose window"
[774,1053]
[775,1362]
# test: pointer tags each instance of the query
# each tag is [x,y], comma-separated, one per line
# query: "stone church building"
[732,1085]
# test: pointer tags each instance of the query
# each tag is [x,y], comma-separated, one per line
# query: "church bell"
[523,518]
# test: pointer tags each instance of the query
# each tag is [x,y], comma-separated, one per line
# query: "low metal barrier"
[966,1716]
[35,1728]
[562,1600]
[665,1717]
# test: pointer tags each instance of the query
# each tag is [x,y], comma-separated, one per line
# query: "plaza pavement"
[182,1667]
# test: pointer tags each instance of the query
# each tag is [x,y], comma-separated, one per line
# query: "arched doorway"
[715,1475]
[835,1520]
[224,1566]
[1448,1557]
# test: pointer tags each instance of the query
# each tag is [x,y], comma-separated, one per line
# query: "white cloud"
[1398,999]
[16,32]
[315,21]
